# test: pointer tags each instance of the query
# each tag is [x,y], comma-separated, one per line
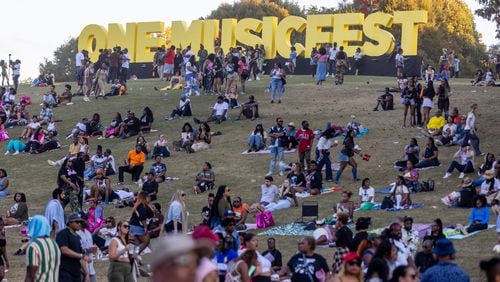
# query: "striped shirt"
[44,253]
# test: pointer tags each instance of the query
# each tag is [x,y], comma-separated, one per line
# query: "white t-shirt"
[9,98]
[485,187]
[78,59]
[320,232]
[403,253]
[452,128]
[188,64]
[126,60]
[400,60]
[366,194]
[400,189]
[87,243]
[99,162]
[187,56]
[16,70]
[220,108]
[268,194]
[332,53]
[34,125]
[470,122]
[324,144]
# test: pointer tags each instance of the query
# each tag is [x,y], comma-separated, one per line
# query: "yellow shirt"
[74,149]
[436,122]
[135,158]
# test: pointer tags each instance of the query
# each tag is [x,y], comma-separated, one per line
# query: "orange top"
[238,211]
[135,158]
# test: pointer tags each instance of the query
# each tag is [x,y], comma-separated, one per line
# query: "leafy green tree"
[62,64]
[248,9]
[490,10]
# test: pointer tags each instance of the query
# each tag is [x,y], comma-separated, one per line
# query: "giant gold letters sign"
[351,30]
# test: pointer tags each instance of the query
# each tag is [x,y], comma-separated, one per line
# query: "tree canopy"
[62,64]
[490,10]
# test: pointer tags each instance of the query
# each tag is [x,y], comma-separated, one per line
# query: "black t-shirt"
[150,187]
[348,149]
[304,267]
[205,214]
[142,213]
[276,257]
[133,124]
[296,179]
[65,238]
[70,174]
[467,197]
[343,237]
[358,238]
[424,261]
[429,152]
[317,180]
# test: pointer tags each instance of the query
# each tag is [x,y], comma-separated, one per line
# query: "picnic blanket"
[377,206]
[387,191]
[454,234]
[266,151]
[326,189]
[290,229]
[422,228]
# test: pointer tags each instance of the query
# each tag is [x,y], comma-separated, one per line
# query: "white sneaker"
[198,93]
[446,175]
[86,99]
[281,173]
[258,78]
[249,79]
[16,153]
[69,104]
[462,175]
[6,153]
[52,163]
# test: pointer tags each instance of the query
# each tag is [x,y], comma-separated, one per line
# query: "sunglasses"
[354,262]
[183,195]
[125,226]
[236,201]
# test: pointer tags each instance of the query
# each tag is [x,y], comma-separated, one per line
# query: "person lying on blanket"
[479,217]
[324,233]
[463,198]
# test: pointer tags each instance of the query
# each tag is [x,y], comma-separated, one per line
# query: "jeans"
[255,142]
[124,74]
[325,160]
[276,85]
[427,163]
[332,67]
[466,168]
[474,141]
[277,153]
[135,171]
[192,83]
[280,205]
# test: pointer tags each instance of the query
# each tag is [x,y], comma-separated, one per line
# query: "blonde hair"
[342,273]
[177,197]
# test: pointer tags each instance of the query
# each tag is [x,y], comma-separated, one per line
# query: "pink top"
[204,268]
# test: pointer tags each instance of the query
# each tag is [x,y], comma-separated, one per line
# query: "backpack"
[230,68]
[232,274]
[387,203]
[428,185]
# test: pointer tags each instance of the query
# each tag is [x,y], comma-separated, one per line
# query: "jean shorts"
[136,230]
[343,158]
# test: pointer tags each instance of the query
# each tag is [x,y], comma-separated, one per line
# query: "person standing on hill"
[305,137]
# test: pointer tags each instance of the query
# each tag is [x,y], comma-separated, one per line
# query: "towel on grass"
[267,151]
[290,229]
[377,206]
[454,234]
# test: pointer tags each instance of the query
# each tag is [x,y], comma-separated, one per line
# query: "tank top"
[120,247]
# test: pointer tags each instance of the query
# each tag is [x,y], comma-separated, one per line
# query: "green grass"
[303,100]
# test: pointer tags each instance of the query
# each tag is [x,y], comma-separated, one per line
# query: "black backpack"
[387,203]
[428,185]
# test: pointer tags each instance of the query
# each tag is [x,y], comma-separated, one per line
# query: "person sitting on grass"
[145,148]
[159,169]
[134,164]
[324,233]
[219,112]
[94,126]
[268,195]
[101,188]
[385,101]
[435,125]
[412,153]
[203,138]
[97,161]
[314,180]
[490,186]
[411,175]
[30,127]
[430,157]
[400,194]
[240,211]
[366,192]
[186,140]
[286,198]
[18,212]
[130,126]
[95,215]
[249,109]
[66,96]
[463,198]
[296,178]
[183,110]
[205,179]
[146,120]
[257,139]
[160,147]
[448,134]
[150,186]
[479,217]
[113,129]
[346,205]
[463,162]
[103,234]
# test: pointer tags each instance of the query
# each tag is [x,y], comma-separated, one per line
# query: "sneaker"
[52,163]
[258,78]
[249,79]
[70,103]
[446,175]
[439,143]
[16,153]
[119,183]
[6,153]
[462,175]
[281,173]
[197,93]
[269,174]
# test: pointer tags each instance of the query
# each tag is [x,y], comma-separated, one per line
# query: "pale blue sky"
[32,30]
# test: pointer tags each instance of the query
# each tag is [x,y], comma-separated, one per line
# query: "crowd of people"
[63,246]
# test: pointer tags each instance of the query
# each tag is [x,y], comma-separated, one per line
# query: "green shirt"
[44,253]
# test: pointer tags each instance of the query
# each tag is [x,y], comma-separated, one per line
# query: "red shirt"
[305,138]
[168,58]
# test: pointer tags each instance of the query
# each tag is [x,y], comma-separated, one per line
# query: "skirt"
[427,103]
